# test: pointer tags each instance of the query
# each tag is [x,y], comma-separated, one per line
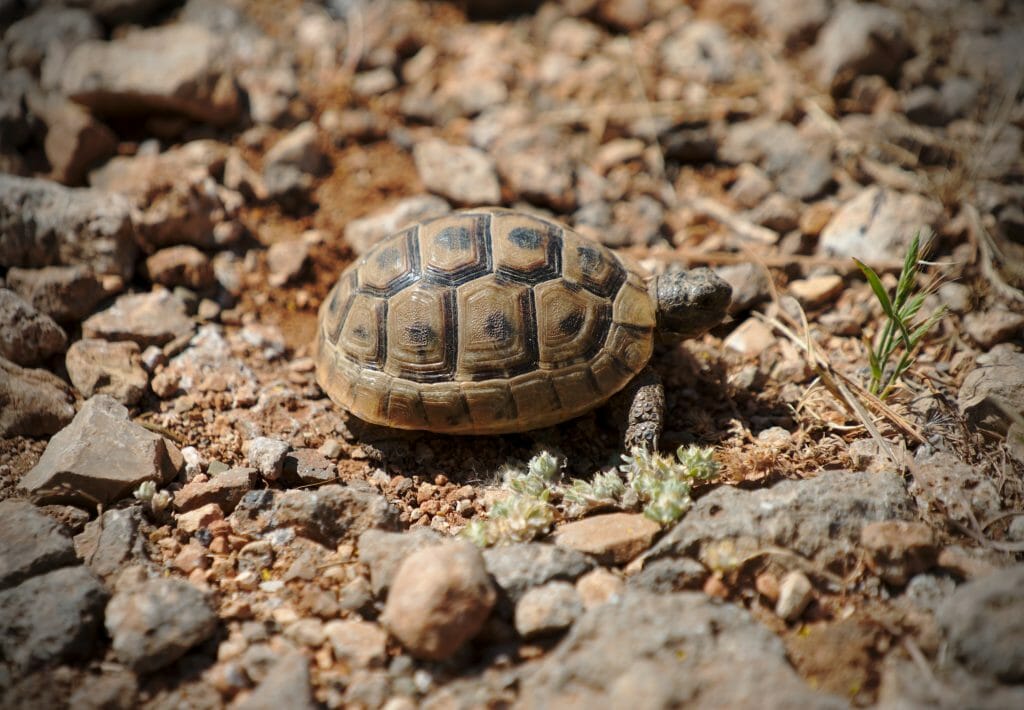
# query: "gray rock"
[668,651]
[699,51]
[266,455]
[299,149]
[102,456]
[800,167]
[860,39]
[32,402]
[27,337]
[534,164]
[996,383]
[114,541]
[670,574]
[99,367]
[177,68]
[113,690]
[984,624]
[34,543]
[286,261]
[306,466]
[181,265]
[459,173]
[750,285]
[383,551]
[820,518]
[157,622]
[520,567]
[878,225]
[361,234]
[945,485]
[154,318]
[207,363]
[45,224]
[328,514]
[65,293]
[51,617]
[440,598]
[547,609]
[75,140]
[27,41]
[905,683]
[286,685]
[991,327]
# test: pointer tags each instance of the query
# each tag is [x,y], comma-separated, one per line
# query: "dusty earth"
[182,185]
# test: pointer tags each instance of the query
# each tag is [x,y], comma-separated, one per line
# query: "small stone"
[989,328]
[361,234]
[306,632]
[51,617]
[954,489]
[32,402]
[520,567]
[305,466]
[751,186]
[383,552]
[778,212]
[34,543]
[75,140]
[984,623]
[114,543]
[750,285]
[181,265]
[599,586]
[102,455]
[878,225]
[112,689]
[285,685]
[158,622]
[439,599]
[858,39]
[331,449]
[99,367]
[28,41]
[460,173]
[817,290]
[815,218]
[266,455]
[700,51]
[898,550]
[613,538]
[27,337]
[670,574]
[225,489]
[549,609]
[357,643]
[286,260]
[995,384]
[298,149]
[795,593]
[965,563]
[752,337]
[374,82]
[202,517]
[154,318]
[65,293]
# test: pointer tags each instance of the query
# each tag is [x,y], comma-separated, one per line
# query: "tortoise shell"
[483,321]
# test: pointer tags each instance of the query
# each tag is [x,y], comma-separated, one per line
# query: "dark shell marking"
[482,322]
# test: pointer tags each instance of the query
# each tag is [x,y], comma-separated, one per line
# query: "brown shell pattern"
[483,322]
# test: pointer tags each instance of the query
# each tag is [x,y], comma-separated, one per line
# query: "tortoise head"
[689,303]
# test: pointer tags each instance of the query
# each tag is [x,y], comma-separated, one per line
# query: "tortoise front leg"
[645,416]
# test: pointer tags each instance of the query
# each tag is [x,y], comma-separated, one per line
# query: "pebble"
[32,402]
[285,685]
[154,318]
[27,337]
[303,466]
[817,290]
[83,457]
[795,593]
[942,483]
[157,622]
[181,265]
[669,574]
[357,643]
[998,374]
[225,489]
[29,40]
[286,261]
[984,623]
[878,225]
[547,609]
[599,586]
[991,327]
[100,367]
[898,550]
[307,632]
[267,455]
[199,518]
[51,617]
[752,337]
[750,285]
[383,552]
[65,293]
[75,141]
[34,543]
[177,67]
[361,234]
[115,542]
[459,173]
[613,538]
[522,566]
[858,39]
[440,598]
[752,186]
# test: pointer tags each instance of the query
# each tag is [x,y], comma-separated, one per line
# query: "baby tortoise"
[488,321]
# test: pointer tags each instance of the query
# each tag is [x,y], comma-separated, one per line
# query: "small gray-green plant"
[155,500]
[903,330]
[659,484]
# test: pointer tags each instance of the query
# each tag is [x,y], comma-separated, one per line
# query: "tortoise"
[491,321]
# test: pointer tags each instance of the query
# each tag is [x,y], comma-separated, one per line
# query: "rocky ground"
[187,521]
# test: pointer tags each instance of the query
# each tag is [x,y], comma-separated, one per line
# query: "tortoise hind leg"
[640,408]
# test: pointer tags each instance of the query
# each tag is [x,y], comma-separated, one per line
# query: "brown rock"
[195,520]
[304,466]
[102,455]
[75,141]
[99,367]
[615,538]
[548,609]
[599,586]
[27,337]
[362,234]
[460,173]
[32,402]
[750,338]
[65,293]
[439,599]
[154,318]
[225,489]
[897,549]
[357,643]
[286,260]
[988,328]
[181,265]
[817,290]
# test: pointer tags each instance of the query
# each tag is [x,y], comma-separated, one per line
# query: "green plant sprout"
[658,484]
[903,330]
